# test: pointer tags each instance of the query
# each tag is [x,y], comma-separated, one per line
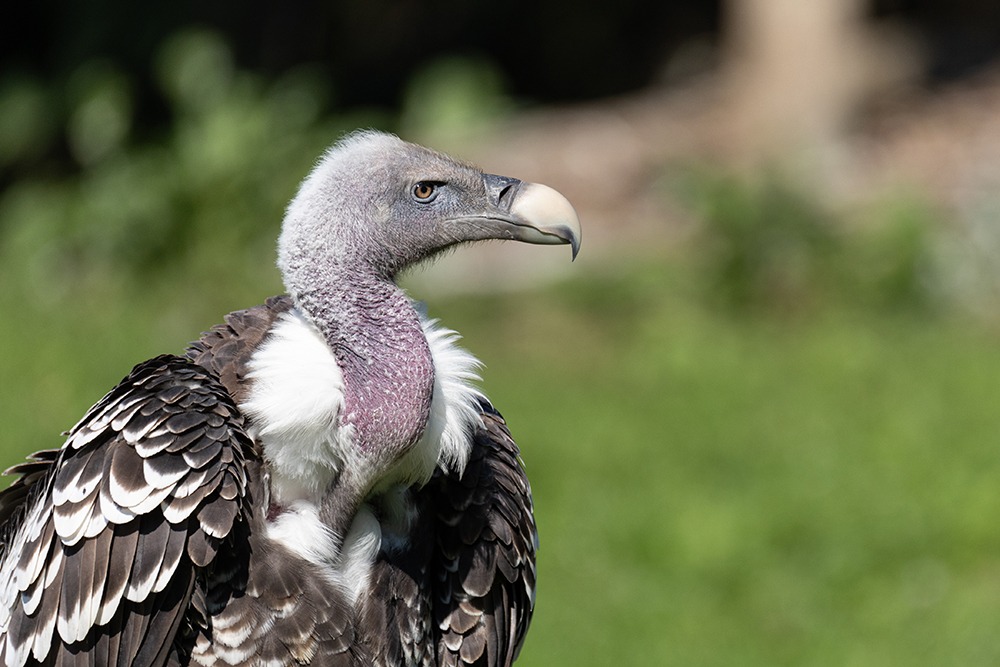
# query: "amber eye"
[424,190]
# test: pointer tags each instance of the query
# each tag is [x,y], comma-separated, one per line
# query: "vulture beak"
[535,213]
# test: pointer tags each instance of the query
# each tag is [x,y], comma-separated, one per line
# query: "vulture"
[317,481]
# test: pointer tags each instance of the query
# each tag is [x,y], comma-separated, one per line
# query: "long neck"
[379,343]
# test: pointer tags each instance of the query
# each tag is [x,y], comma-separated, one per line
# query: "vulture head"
[377,204]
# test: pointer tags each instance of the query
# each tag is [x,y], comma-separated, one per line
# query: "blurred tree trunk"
[797,72]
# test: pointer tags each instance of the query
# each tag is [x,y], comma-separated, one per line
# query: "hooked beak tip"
[545,216]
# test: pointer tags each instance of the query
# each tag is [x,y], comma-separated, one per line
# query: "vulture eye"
[425,191]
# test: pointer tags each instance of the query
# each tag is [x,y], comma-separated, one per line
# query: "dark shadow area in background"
[546,51]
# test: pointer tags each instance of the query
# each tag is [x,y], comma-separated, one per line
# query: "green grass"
[711,489]
[720,491]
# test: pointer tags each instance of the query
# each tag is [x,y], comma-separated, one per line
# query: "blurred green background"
[759,412]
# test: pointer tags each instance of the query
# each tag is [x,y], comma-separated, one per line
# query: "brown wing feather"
[100,559]
[487,541]
[462,591]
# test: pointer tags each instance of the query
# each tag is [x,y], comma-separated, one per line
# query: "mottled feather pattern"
[288,615]
[115,527]
[462,591]
[140,538]
[484,574]
[14,499]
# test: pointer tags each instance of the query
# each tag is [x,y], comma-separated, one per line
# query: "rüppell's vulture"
[317,481]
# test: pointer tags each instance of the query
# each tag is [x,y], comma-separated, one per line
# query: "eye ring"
[425,191]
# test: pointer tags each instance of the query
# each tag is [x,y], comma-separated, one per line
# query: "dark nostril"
[503,192]
[500,189]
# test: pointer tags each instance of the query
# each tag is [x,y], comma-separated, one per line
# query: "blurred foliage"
[204,199]
[27,124]
[453,99]
[762,242]
[893,255]
[970,249]
[767,243]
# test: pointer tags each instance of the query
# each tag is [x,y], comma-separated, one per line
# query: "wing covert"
[104,538]
[484,580]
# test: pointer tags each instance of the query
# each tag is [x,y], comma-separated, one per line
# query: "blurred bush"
[452,99]
[204,199]
[766,243]
[761,243]
[970,252]
[27,124]
[201,203]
